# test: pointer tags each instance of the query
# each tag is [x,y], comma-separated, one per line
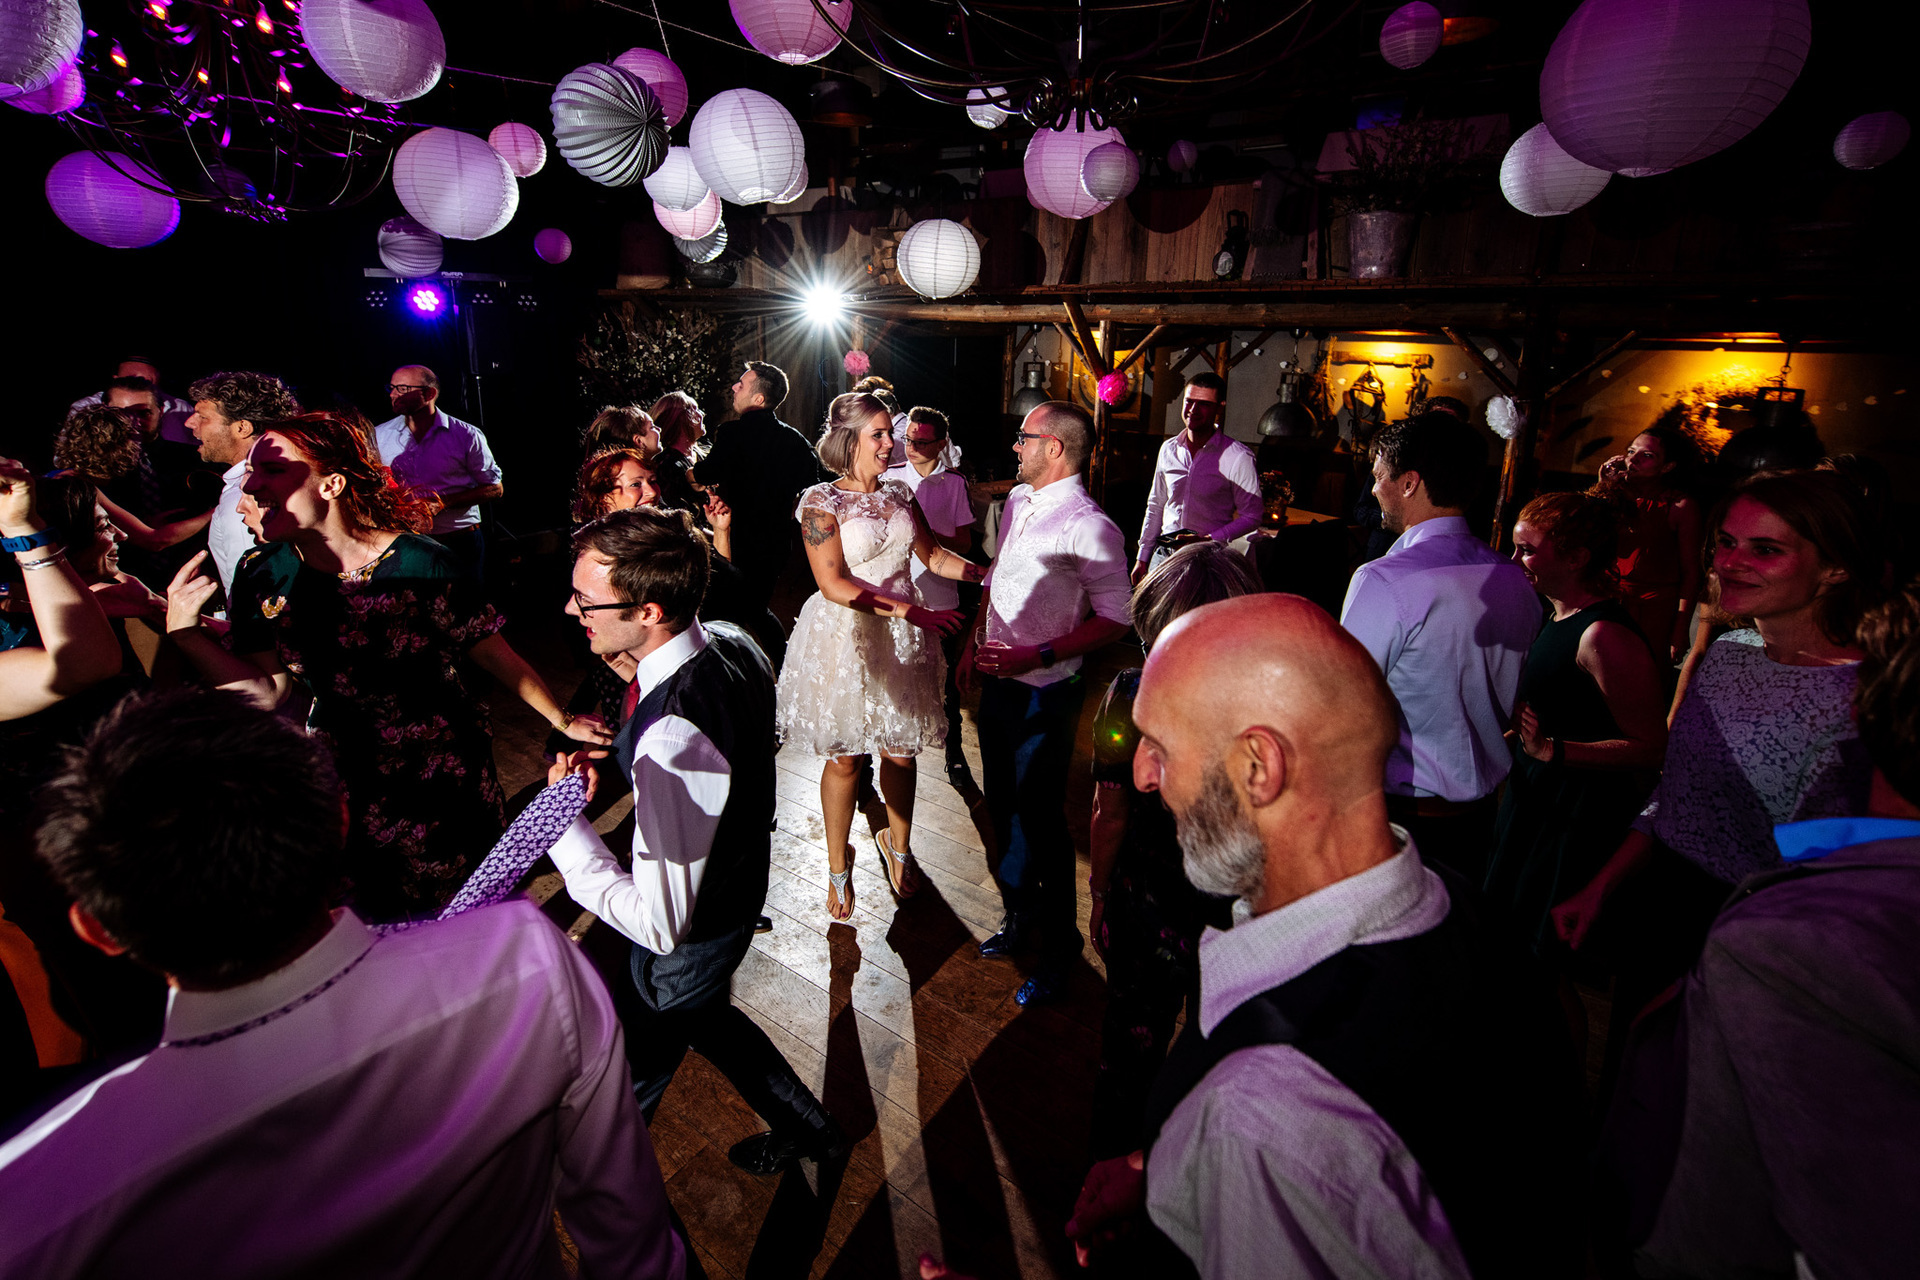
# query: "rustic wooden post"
[1102,414]
[1530,396]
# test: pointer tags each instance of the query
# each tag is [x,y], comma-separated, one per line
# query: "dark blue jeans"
[1026,747]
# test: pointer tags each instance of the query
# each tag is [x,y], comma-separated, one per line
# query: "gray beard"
[1222,848]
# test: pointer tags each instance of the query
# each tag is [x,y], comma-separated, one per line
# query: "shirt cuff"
[577,847]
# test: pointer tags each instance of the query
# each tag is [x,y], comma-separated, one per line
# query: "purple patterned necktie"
[534,832]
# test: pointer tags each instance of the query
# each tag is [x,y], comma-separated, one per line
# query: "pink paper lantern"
[1537,177]
[1871,140]
[104,203]
[1053,164]
[662,76]
[553,245]
[696,223]
[1411,34]
[857,363]
[1114,388]
[521,146]
[454,184]
[792,31]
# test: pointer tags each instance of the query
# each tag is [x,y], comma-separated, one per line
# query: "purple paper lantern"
[1182,156]
[696,223]
[1537,177]
[1871,140]
[1411,34]
[65,92]
[383,50]
[792,31]
[662,76]
[454,184]
[553,245]
[521,146]
[1110,172]
[677,183]
[1053,164]
[104,203]
[39,39]
[746,146]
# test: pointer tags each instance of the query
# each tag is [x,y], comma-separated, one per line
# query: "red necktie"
[631,701]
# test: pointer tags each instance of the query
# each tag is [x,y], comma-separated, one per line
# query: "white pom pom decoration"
[746,146]
[938,258]
[104,203]
[521,146]
[1504,416]
[696,223]
[663,76]
[1110,172]
[1053,163]
[39,40]
[455,184]
[677,183]
[1871,140]
[409,249]
[1537,177]
[1411,34]
[383,50]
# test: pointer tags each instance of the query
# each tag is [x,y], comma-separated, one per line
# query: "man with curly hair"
[229,412]
[174,411]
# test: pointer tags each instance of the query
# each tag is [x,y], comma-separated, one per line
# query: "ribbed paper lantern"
[746,146]
[607,125]
[1182,156]
[101,202]
[409,249]
[1411,34]
[677,183]
[1110,171]
[662,76]
[39,39]
[794,192]
[1537,177]
[938,258]
[792,31]
[1639,87]
[553,245]
[383,50]
[705,249]
[521,146]
[690,224]
[983,112]
[455,184]
[1871,140]
[1053,164]
[61,95]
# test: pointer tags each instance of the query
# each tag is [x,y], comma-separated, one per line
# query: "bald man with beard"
[1376,1085]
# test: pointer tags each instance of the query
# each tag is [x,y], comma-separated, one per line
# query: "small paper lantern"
[1638,87]
[1411,34]
[1182,156]
[792,31]
[104,203]
[982,110]
[1537,177]
[938,258]
[521,146]
[1053,163]
[662,76]
[857,363]
[677,183]
[1871,140]
[65,92]
[455,184]
[705,249]
[383,50]
[746,146]
[1110,171]
[607,125]
[690,224]
[409,249]
[1114,388]
[794,192]
[553,245]
[39,40]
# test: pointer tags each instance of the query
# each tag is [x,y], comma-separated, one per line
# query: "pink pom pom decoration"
[1113,388]
[857,364]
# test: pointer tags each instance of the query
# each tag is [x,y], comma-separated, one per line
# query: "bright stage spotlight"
[823,303]
[427,300]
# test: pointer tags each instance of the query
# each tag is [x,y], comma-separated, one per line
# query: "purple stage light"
[428,300]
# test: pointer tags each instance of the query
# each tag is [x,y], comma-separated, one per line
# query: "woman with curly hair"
[350,599]
[102,445]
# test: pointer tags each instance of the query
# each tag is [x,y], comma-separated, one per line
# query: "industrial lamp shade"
[983,111]
[1537,177]
[104,203]
[938,258]
[746,146]
[39,39]
[1638,87]
[1182,156]
[553,245]
[383,50]
[521,146]
[677,183]
[792,31]
[409,249]
[663,76]
[1110,171]
[1411,34]
[455,184]
[706,248]
[1871,140]
[690,224]
[61,95]
[608,125]
[1053,164]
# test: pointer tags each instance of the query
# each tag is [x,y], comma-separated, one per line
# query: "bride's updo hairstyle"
[847,416]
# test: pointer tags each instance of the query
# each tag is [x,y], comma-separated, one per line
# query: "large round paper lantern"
[104,203]
[983,111]
[1871,140]
[455,184]
[1411,34]
[553,245]
[59,96]
[1182,156]
[677,183]
[746,146]
[706,248]
[662,76]
[521,146]
[39,39]
[1053,164]
[690,224]
[1537,177]
[792,31]
[1110,171]
[1638,87]
[794,192]
[383,50]
[607,125]
[409,249]
[938,258]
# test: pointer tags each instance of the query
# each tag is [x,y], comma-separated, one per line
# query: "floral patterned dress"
[380,650]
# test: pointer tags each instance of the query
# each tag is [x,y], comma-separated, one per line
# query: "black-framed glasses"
[405,386]
[580,604]
[1021,437]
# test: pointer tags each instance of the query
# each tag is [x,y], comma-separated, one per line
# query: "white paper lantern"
[1110,172]
[746,146]
[1537,177]
[104,203]
[383,50]
[662,76]
[690,224]
[983,112]
[1638,87]
[409,249]
[1411,34]
[607,125]
[39,39]
[938,258]
[677,183]
[792,31]
[1871,140]
[521,146]
[61,95]
[705,249]
[553,245]
[455,184]
[1053,164]
[1182,156]
[794,192]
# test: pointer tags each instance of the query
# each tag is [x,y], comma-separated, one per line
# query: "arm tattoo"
[817,526]
[974,572]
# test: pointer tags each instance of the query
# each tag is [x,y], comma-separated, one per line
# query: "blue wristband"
[28,543]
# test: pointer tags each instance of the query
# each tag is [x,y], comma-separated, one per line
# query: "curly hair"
[374,501]
[1886,702]
[243,396]
[595,481]
[98,443]
[1582,521]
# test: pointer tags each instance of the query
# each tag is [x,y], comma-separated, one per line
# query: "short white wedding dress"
[854,683]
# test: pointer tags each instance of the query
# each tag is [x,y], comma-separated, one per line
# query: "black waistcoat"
[726,691]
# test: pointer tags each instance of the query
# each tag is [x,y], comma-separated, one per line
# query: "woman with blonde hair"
[679,422]
[620,426]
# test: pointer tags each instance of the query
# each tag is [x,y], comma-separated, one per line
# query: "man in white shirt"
[229,412]
[437,454]
[1376,1084]
[327,1099]
[698,745]
[1057,590]
[174,411]
[1450,621]
[1205,481]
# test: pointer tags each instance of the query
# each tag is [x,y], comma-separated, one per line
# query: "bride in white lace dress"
[864,674]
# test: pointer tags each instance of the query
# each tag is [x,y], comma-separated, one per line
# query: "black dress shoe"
[768,1153]
[763,924]
[1004,945]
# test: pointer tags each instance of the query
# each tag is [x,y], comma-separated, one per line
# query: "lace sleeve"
[821,497]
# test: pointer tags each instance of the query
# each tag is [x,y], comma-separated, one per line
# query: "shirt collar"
[1057,492]
[1818,837]
[235,471]
[199,1013]
[1438,527]
[669,657]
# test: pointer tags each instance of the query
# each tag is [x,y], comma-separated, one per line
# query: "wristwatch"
[1046,655]
[38,538]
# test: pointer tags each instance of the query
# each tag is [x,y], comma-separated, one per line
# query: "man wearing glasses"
[1205,480]
[436,454]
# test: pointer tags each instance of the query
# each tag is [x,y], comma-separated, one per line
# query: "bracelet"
[29,541]
[566,720]
[58,557]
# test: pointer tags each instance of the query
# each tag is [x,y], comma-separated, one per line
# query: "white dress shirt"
[942,497]
[1450,621]
[1060,558]
[452,455]
[413,1103]
[680,785]
[228,537]
[1214,490]
[1272,1166]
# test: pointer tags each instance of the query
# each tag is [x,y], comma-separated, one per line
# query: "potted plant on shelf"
[1399,172]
